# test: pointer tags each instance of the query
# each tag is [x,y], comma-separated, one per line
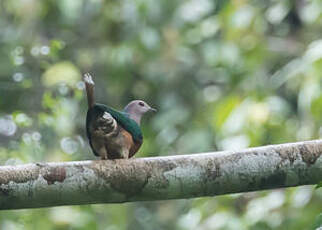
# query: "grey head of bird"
[137,108]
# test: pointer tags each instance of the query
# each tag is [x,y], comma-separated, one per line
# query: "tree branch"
[160,178]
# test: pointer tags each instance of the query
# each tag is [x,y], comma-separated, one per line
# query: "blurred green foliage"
[223,75]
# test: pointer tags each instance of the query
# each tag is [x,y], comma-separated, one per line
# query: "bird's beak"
[153,109]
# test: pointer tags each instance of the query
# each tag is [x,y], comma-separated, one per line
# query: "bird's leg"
[103,153]
[104,157]
[125,154]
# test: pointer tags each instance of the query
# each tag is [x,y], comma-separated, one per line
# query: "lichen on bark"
[159,178]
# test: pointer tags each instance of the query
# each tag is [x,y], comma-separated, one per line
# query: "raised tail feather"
[89,84]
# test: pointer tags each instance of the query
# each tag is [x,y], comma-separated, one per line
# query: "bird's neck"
[133,115]
[136,118]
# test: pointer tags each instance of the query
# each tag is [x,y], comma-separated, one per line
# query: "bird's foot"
[103,157]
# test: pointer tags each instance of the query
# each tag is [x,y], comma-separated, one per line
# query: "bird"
[113,134]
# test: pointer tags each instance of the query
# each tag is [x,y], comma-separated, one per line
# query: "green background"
[224,75]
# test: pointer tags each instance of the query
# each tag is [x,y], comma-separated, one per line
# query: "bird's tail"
[89,84]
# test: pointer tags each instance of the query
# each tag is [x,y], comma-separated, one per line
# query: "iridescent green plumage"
[113,134]
[122,119]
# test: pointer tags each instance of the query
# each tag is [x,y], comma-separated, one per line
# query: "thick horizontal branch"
[160,178]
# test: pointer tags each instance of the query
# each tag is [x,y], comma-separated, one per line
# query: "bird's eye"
[141,103]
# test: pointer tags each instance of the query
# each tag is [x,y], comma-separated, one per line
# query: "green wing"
[122,118]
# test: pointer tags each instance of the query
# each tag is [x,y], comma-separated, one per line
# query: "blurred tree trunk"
[160,178]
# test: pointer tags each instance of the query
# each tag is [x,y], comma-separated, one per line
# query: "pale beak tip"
[153,110]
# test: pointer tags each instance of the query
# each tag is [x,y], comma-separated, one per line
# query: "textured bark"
[160,178]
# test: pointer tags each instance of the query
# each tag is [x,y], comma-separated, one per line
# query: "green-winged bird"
[113,134]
